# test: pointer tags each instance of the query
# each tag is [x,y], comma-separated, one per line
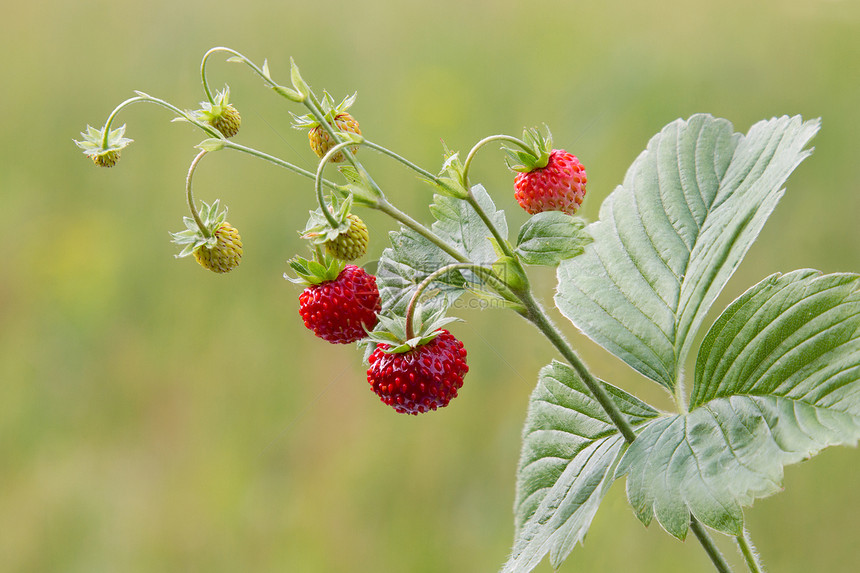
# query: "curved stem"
[468,162]
[413,302]
[282,90]
[748,550]
[148,98]
[281,163]
[318,181]
[189,196]
[710,547]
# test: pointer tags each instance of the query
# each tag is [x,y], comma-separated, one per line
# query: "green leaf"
[211,144]
[411,257]
[669,238]
[550,237]
[570,449]
[777,379]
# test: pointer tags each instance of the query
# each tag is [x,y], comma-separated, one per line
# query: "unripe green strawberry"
[227,252]
[352,244]
[108,159]
[228,121]
[321,142]
[221,114]
[104,151]
[213,241]
[335,116]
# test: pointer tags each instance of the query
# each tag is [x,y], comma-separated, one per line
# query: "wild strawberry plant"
[777,375]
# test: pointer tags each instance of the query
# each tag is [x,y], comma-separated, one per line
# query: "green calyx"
[451,179]
[195,237]
[391,330]
[313,271]
[104,151]
[537,156]
[347,239]
[329,110]
[220,114]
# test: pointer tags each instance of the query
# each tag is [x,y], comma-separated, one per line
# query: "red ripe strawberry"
[560,186]
[548,179]
[421,379]
[339,310]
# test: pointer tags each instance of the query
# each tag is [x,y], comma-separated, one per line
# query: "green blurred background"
[157,417]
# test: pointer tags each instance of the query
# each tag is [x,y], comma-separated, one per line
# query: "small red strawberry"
[548,180]
[417,367]
[421,379]
[340,301]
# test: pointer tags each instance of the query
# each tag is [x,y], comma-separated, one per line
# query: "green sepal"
[313,272]
[359,187]
[299,83]
[193,237]
[329,111]
[511,273]
[451,178]
[94,140]
[211,111]
[211,144]
[537,157]
[391,330]
[318,229]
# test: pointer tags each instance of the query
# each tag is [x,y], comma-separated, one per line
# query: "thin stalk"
[748,550]
[281,163]
[503,244]
[537,316]
[468,162]
[401,217]
[148,98]
[189,196]
[318,182]
[710,547]
[423,172]
[282,90]
[413,301]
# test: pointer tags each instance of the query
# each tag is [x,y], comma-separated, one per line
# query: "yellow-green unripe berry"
[108,159]
[227,252]
[228,121]
[352,244]
[321,141]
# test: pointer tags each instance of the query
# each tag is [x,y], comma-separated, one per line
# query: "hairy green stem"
[189,196]
[423,172]
[710,547]
[536,314]
[748,550]
[468,162]
[318,182]
[413,301]
[407,221]
[281,90]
